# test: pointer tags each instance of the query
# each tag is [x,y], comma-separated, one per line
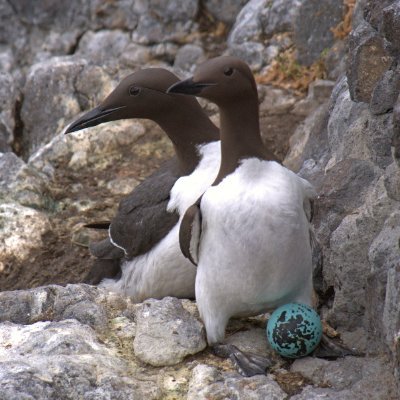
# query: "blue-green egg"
[294,330]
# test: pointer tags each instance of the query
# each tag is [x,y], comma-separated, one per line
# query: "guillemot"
[143,244]
[249,233]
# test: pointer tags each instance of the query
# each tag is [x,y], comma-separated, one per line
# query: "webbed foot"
[329,348]
[247,364]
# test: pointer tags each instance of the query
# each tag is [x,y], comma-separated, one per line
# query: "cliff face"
[353,157]
[57,60]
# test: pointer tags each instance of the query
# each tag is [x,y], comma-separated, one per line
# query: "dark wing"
[106,250]
[142,219]
[103,268]
[98,225]
[190,232]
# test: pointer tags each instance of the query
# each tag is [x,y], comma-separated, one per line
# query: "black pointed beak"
[92,118]
[188,87]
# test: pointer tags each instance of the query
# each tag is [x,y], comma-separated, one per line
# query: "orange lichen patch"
[341,30]
[329,331]
[285,72]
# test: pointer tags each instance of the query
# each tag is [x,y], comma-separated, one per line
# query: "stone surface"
[244,38]
[8,100]
[390,26]
[103,46]
[166,333]
[159,22]
[279,16]
[385,92]
[347,377]
[368,60]
[224,10]
[60,360]
[49,100]
[21,183]
[22,229]
[188,57]
[312,28]
[209,384]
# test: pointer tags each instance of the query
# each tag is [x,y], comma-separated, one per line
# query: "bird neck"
[187,129]
[240,135]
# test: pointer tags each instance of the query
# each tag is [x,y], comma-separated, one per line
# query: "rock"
[251,52]
[113,15]
[347,377]
[166,332]
[385,92]
[244,38]
[188,57]
[22,229]
[103,46]
[122,186]
[383,256]
[60,360]
[252,341]
[49,100]
[208,383]
[8,98]
[373,11]
[87,147]
[390,26]
[21,183]
[312,25]
[161,22]
[367,61]
[224,10]
[278,17]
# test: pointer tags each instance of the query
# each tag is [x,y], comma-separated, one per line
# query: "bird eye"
[228,71]
[134,91]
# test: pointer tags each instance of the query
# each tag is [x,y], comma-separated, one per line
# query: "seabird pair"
[242,218]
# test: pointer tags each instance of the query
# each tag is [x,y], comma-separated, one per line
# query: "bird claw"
[247,364]
[331,349]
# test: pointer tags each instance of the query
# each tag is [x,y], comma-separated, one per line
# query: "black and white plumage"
[141,257]
[249,231]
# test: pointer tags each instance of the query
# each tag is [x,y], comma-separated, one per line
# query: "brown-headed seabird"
[249,233]
[143,236]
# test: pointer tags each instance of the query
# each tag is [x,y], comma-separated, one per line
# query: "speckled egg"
[294,330]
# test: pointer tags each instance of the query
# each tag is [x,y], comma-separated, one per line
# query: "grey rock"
[166,332]
[251,53]
[312,28]
[103,46]
[252,341]
[208,383]
[279,16]
[119,14]
[161,22]
[55,303]
[81,303]
[248,26]
[373,11]
[8,99]
[348,378]
[188,57]
[384,258]
[59,360]
[392,181]
[22,230]
[396,131]
[390,26]
[224,10]
[385,92]
[49,100]
[21,183]
[368,60]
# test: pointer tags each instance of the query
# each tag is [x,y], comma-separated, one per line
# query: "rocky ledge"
[79,341]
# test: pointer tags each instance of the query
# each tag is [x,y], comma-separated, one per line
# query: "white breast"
[164,271]
[255,250]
